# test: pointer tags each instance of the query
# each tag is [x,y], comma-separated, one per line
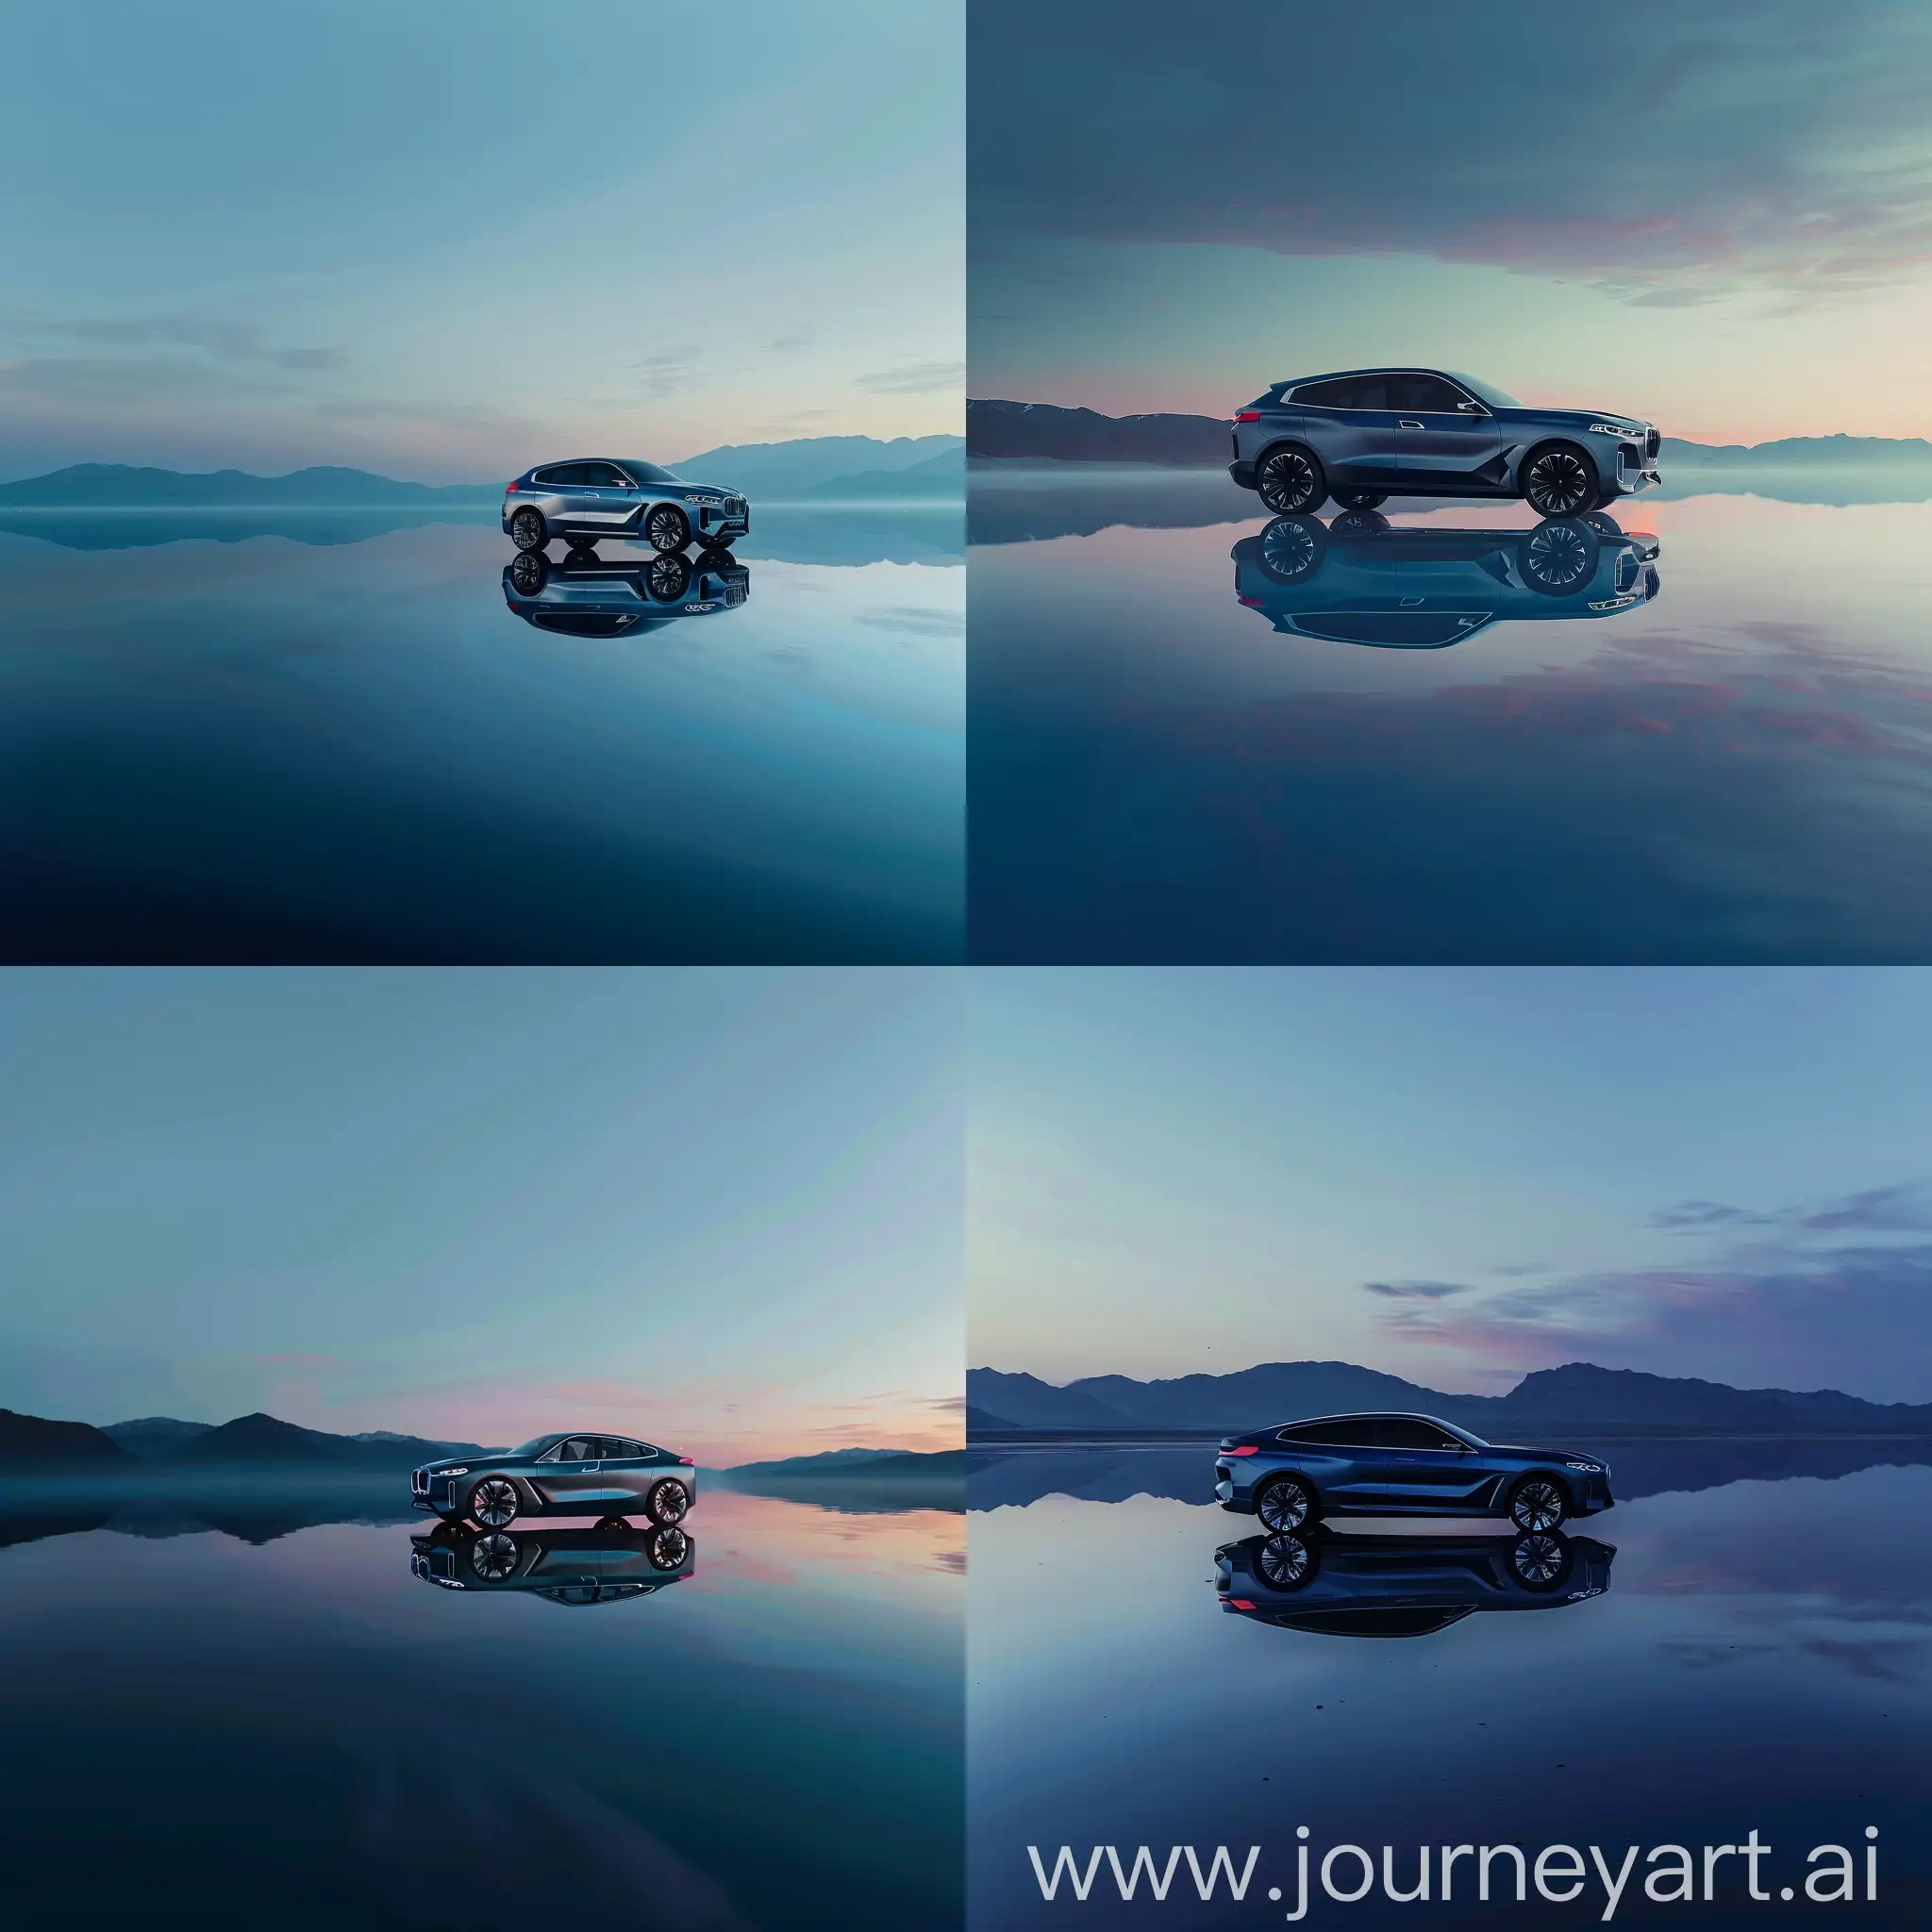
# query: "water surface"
[223,1712]
[1738,768]
[1754,1652]
[324,742]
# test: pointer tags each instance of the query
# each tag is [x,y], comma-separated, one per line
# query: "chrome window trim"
[1369,375]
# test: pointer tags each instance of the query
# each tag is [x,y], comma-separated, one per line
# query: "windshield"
[649,473]
[1485,392]
[532,1447]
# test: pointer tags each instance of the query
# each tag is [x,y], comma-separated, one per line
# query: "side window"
[1346,1434]
[553,1454]
[607,477]
[1321,395]
[578,1449]
[1424,394]
[1369,393]
[1399,1432]
[550,477]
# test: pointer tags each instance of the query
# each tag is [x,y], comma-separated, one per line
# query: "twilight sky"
[718,1210]
[1718,215]
[1456,1175]
[443,241]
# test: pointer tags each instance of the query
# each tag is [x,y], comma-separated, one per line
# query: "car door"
[569,1475]
[628,1470]
[1443,438]
[574,502]
[1348,424]
[1429,1471]
[1343,1461]
[610,501]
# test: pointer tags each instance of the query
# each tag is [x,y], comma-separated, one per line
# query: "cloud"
[212,338]
[1903,1208]
[664,374]
[1663,152]
[908,379]
[1700,1215]
[1416,1290]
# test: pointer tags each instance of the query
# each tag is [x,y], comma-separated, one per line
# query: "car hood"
[457,1463]
[1574,418]
[1542,1455]
[710,488]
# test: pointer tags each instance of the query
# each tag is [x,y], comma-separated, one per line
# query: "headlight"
[1614,430]
[452,1471]
[706,502]
[1589,1468]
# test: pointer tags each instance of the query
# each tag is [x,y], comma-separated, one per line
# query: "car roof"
[1375,369]
[1376,1415]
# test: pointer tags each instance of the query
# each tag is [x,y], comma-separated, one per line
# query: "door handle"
[1406,424]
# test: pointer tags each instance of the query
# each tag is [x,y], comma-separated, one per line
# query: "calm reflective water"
[275,1722]
[1698,1661]
[1738,767]
[324,741]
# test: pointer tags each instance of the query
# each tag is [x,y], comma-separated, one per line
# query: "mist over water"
[1758,1658]
[1735,770]
[342,745]
[288,1726]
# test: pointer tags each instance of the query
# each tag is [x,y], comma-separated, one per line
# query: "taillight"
[1237,1602]
[1248,1450]
[509,488]
[685,1462]
[1248,416]
[1252,604]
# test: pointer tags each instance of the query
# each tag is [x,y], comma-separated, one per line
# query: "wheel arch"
[1301,1476]
[1558,441]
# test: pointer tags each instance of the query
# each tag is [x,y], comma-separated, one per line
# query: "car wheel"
[1290,482]
[1292,549]
[669,1548]
[1360,523]
[1541,1562]
[527,529]
[493,1556]
[668,1503]
[667,528]
[494,1502]
[1560,480]
[1285,1503]
[1558,558]
[667,577]
[1285,1562]
[1538,1504]
[614,1523]
[1603,525]
[1360,499]
[530,570]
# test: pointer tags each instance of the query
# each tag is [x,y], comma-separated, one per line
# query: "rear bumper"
[1243,473]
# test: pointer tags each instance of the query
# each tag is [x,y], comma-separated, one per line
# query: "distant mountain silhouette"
[118,486]
[1579,1394]
[166,1447]
[32,1444]
[800,469]
[154,1435]
[942,476]
[861,1480]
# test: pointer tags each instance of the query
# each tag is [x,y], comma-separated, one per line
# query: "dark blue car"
[1363,580]
[575,1567]
[589,596]
[1362,436]
[1390,1587]
[1294,1473]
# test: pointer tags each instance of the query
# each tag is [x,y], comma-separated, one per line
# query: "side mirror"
[1472,408]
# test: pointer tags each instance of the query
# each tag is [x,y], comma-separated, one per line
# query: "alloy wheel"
[1290,548]
[670,1501]
[1558,484]
[493,1502]
[1288,482]
[1537,1506]
[667,529]
[1539,1559]
[1283,1504]
[493,1556]
[668,1547]
[526,529]
[1558,556]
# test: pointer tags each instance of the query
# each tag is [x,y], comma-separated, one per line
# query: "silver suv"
[605,496]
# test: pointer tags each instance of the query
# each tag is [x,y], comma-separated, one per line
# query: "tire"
[667,528]
[530,570]
[1361,499]
[1560,556]
[527,529]
[1284,1502]
[1286,1562]
[1538,1505]
[667,577]
[668,1547]
[668,1503]
[1359,522]
[1541,1562]
[1292,549]
[493,1502]
[493,1556]
[1560,480]
[1289,480]
[614,1523]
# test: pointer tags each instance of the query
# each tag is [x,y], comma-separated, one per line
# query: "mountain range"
[809,468]
[150,1443]
[1578,1395]
[1046,432]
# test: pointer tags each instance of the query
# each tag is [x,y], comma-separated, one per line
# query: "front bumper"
[1635,467]
[717,526]
[437,1494]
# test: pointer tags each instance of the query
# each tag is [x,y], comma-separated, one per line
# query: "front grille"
[419,1482]
[1653,441]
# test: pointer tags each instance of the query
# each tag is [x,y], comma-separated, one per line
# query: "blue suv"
[1402,1465]
[1365,435]
[624,497]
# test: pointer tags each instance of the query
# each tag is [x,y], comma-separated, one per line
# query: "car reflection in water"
[572,1566]
[1360,579]
[592,596]
[1395,1587]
